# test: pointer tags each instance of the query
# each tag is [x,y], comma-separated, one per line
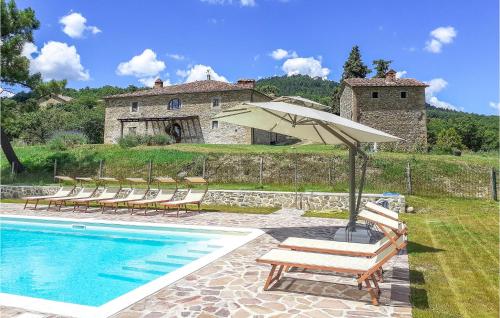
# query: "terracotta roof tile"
[193,87]
[383,82]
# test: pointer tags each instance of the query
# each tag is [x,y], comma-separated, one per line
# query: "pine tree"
[381,66]
[354,66]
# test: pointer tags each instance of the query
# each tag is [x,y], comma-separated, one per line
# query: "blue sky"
[453,45]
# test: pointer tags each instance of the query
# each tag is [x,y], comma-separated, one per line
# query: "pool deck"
[232,285]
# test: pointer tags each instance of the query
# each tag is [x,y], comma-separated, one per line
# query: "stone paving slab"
[232,285]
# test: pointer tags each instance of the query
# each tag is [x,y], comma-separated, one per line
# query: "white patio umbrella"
[313,125]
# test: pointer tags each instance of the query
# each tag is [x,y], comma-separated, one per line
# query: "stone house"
[393,105]
[53,99]
[185,112]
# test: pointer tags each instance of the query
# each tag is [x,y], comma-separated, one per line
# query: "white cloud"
[436,85]
[495,105]
[75,25]
[401,74]
[199,73]
[143,65]
[177,57]
[247,3]
[57,61]
[305,66]
[28,50]
[444,34]
[439,37]
[433,46]
[150,81]
[280,54]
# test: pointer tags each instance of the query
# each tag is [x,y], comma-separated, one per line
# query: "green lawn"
[453,253]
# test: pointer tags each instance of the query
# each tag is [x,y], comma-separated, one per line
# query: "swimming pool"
[94,268]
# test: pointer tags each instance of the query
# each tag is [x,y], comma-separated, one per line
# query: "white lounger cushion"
[304,243]
[309,259]
[83,193]
[62,192]
[381,210]
[108,193]
[189,198]
[383,220]
[160,197]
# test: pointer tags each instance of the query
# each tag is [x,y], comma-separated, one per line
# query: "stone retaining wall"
[302,200]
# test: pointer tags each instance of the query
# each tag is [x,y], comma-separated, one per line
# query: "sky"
[451,45]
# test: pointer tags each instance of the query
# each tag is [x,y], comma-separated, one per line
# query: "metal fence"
[303,172]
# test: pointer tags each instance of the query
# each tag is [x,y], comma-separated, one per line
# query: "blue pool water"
[91,264]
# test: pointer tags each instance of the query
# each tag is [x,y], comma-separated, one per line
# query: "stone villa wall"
[402,117]
[302,200]
[193,104]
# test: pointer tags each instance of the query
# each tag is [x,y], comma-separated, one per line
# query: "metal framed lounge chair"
[134,194]
[193,196]
[106,193]
[162,195]
[364,268]
[382,211]
[63,191]
[83,192]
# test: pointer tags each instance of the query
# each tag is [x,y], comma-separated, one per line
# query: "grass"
[453,253]
[327,214]
[204,207]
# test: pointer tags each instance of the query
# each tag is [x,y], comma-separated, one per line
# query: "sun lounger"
[134,194]
[106,194]
[193,196]
[63,191]
[382,211]
[84,192]
[336,247]
[163,195]
[384,223]
[364,268]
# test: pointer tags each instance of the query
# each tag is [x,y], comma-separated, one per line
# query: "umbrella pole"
[351,226]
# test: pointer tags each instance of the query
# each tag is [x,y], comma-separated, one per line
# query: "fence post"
[55,169]
[330,164]
[13,171]
[150,170]
[261,168]
[494,194]
[409,188]
[204,167]
[100,168]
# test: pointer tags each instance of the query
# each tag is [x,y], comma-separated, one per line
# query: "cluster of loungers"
[110,197]
[363,260]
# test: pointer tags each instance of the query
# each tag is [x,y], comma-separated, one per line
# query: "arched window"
[174,103]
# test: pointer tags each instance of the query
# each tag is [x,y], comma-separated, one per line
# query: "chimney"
[390,76]
[158,83]
[246,83]
[208,75]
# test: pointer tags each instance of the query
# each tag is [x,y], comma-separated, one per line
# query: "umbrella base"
[360,234]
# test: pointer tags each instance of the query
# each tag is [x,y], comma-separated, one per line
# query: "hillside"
[302,85]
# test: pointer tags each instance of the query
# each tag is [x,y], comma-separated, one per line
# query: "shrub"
[449,141]
[129,141]
[64,140]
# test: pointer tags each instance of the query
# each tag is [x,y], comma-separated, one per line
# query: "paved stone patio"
[232,285]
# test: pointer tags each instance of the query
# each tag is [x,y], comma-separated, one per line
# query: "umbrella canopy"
[303,123]
[314,125]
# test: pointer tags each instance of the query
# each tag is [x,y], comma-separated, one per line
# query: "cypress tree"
[354,66]
[381,66]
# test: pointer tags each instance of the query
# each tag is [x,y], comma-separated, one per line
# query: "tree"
[269,89]
[17,29]
[354,66]
[449,140]
[381,66]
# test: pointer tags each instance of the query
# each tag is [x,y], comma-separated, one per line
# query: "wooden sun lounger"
[373,207]
[384,223]
[192,197]
[106,194]
[63,191]
[364,268]
[163,195]
[81,194]
[336,247]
